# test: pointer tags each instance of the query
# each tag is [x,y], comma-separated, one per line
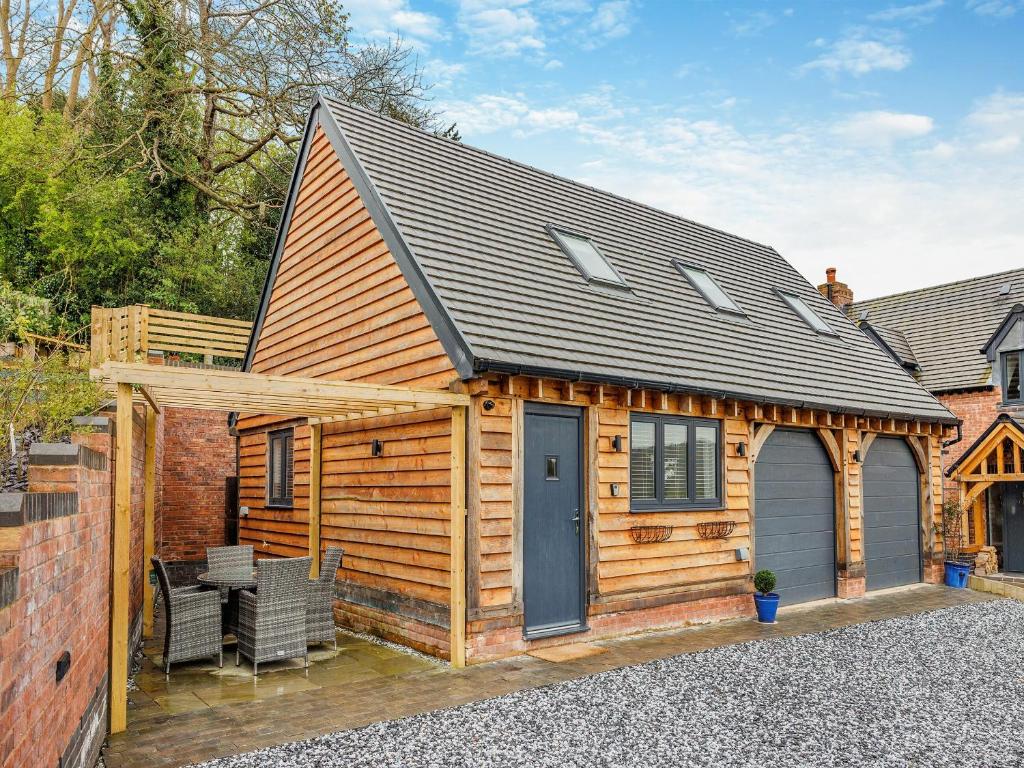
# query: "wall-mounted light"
[617,443]
[856,456]
[615,489]
[488,405]
[377,448]
[741,448]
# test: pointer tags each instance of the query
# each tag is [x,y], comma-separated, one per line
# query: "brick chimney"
[839,294]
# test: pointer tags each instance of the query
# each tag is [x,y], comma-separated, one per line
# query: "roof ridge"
[963,281]
[535,169]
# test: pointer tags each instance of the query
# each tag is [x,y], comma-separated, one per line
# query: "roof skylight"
[587,259]
[807,314]
[708,288]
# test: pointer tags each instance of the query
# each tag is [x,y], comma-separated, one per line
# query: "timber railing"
[130,334]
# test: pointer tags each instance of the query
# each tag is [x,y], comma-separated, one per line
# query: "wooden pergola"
[996,457]
[319,400]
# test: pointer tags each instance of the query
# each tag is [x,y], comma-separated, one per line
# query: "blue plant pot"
[767,606]
[956,575]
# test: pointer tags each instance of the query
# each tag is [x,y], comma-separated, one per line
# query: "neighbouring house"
[658,408]
[964,342]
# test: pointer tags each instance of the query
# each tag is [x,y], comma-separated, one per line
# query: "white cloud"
[882,128]
[1001,9]
[919,13]
[376,19]
[442,74]
[497,28]
[611,20]
[890,220]
[750,24]
[860,53]
[552,65]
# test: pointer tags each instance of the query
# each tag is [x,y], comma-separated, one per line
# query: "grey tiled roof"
[475,223]
[947,325]
[898,343]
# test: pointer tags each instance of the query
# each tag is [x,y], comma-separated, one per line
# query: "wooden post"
[148,534]
[121,535]
[315,465]
[458,538]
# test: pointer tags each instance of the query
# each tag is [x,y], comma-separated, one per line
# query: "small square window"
[808,315]
[588,260]
[550,467]
[706,286]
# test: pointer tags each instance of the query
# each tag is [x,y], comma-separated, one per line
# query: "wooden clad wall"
[390,513]
[273,531]
[340,307]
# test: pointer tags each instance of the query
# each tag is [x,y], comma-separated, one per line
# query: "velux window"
[673,463]
[807,314]
[1013,392]
[706,286]
[591,263]
[280,467]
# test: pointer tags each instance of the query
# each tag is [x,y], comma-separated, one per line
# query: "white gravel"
[944,688]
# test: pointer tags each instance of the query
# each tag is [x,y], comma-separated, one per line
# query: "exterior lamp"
[377,448]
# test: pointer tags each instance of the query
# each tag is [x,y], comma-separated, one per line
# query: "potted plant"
[765,599]
[956,569]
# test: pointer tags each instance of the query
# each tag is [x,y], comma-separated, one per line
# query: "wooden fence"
[129,334]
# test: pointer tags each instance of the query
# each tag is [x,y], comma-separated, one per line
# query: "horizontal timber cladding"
[339,306]
[625,575]
[277,531]
[390,513]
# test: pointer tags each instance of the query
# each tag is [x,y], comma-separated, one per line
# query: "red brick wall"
[198,454]
[978,410]
[62,604]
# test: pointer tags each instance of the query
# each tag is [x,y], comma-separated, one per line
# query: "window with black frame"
[674,463]
[1013,392]
[280,472]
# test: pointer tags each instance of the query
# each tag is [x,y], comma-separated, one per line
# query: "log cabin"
[964,342]
[658,408]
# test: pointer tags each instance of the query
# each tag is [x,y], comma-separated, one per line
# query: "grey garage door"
[794,515]
[892,533]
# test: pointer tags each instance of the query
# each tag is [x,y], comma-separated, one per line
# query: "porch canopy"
[320,400]
[997,456]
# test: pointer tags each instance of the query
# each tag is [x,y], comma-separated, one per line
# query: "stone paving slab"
[347,696]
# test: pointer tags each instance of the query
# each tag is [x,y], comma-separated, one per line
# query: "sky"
[885,139]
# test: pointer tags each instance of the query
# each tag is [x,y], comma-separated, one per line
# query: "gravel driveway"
[944,688]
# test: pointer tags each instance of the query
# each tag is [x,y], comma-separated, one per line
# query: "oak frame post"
[148,534]
[457,618]
[119,561]
[315,468]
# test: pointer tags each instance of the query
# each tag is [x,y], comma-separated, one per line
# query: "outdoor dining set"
[273,609]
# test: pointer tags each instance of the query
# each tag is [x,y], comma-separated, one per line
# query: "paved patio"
[203,712]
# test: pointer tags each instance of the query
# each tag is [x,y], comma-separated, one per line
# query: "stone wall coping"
[65,455]
[25,508]
[103,423]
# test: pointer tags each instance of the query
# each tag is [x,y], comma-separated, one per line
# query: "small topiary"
[764,582]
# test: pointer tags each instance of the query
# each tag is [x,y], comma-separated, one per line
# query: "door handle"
[576,521]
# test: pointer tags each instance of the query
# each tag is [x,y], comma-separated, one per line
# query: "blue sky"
[886,139]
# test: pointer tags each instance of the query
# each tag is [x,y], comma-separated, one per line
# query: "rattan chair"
[233,558]
[320,601]
[192,618]
[272,621]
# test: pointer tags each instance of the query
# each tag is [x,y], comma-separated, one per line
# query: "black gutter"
[481,365]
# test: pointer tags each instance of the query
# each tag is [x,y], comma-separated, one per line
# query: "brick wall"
[978,410]
[198,456]
[58,545]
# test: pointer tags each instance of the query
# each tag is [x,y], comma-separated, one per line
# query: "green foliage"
[764,582]
[22,313]
[41,397]
[951,529]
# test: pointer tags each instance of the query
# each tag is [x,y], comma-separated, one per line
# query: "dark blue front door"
[553,584]
[1013,527]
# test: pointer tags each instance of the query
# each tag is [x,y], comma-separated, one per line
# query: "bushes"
[764,582]
[22,313]
[38,399]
